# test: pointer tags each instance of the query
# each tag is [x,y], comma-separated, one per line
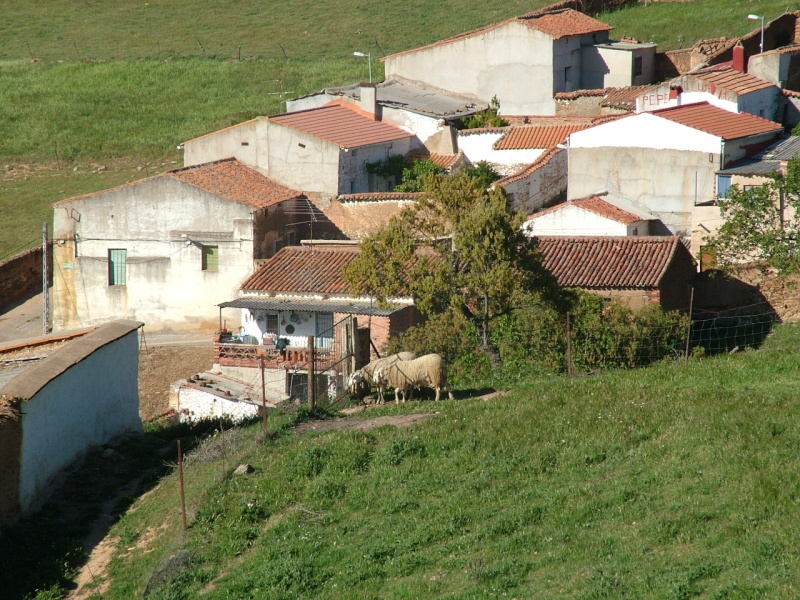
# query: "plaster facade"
[617,64]
[478,147]
[245,141]
[539,185]
[576,221]
[163,226]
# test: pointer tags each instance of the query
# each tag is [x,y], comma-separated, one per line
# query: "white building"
[165,250]
[589,216]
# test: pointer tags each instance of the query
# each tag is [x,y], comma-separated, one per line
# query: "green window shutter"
[117,266]
[210,258]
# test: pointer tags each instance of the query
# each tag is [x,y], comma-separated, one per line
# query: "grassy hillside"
[120,84]
[673,482]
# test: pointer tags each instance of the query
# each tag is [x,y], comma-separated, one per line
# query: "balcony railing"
[235,354]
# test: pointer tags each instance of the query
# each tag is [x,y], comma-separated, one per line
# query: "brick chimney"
[369,99]
[738,58]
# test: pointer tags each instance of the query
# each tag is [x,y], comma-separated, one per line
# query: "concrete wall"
[353,175]
[88,404]
[511,61]
[612,65]
[195,405]
[540,187]
[573,220]
[246,141]
[302,161]
[664,182]
[166,285]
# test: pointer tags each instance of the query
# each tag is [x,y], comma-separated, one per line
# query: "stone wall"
[21,276]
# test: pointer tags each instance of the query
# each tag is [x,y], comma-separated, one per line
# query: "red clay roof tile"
[304,270]
[717,121]
[342,124]
[732,80]
[596,205]
[537,136]
[235,181]
[609,261]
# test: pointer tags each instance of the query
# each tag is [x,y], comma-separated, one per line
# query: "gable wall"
[246,141]
[166,286]
[511,61]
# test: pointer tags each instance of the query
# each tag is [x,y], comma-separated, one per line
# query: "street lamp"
[756,18]
[368,56]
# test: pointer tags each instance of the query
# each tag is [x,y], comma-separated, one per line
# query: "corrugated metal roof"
[609,261]
[732,80]
[343,124]
[717,121]
[536,136]
[351,308]
[783,150]
[753,167]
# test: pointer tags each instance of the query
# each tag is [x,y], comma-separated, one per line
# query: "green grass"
[124,83]
[670,482]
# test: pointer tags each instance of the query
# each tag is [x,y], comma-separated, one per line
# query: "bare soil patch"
[161,366]
[362,424]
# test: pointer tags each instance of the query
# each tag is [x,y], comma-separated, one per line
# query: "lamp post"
[756,18]
[368,56]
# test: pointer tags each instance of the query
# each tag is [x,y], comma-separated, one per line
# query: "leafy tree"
[483,173]
[762,225]
[459,248]
[486,118]
[415,175]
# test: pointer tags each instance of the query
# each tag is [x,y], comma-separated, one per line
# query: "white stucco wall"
[539,188]
[301,161]
[353,175]
[511,61]
[166,286]
[89,404]
[423,127]
[645,130]
[196,405]
[573,220]
[477,147]
[762,103]
[246,141]
[659,98]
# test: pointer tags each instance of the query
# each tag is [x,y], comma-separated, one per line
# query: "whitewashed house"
[664,162]
[595,215]
[59,396]
[165,250]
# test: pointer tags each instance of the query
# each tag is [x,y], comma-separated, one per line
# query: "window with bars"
[272,324]
[210,258]
[325,325]
[117,266]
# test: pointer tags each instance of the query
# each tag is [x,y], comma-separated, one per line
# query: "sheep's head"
[357,383]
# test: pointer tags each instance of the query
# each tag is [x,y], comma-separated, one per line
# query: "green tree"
[416,174]
[486,118]
[762,225]
[459,248]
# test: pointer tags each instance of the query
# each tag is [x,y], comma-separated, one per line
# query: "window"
[747,188]
[723,185]
[117,265]
[567,75]
[210,258]
[272,324]
[325,330]
[637,66]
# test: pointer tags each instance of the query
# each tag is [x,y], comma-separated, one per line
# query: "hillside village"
[616,153]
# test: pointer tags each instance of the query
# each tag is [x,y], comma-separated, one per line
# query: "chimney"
[738,58]
[369,99]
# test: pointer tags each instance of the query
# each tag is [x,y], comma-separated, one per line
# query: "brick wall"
[21,276]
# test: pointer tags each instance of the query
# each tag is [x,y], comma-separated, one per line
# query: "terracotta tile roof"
[232,180]
[625,97]
[381,196]
[791,93]
[555,23]
[732,80]
[227,178]
[540,162]
[536,136]
[562,23]
[480,130]
[581,94]
[445,161]
[717,121]
[304,270]
[596,205]
[343,124]
[714,46]
[609,261]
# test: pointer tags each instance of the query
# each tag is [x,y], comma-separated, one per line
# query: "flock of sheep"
[403,372]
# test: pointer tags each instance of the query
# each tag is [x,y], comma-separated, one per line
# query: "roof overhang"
[336,306]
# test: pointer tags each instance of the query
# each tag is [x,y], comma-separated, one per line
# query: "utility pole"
[45,288]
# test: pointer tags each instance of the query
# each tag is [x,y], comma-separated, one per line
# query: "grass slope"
[122,84]
[673,482]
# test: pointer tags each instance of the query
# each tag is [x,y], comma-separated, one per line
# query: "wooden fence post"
[311,360]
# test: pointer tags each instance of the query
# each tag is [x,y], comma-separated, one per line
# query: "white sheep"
[366,374]
[425,371]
